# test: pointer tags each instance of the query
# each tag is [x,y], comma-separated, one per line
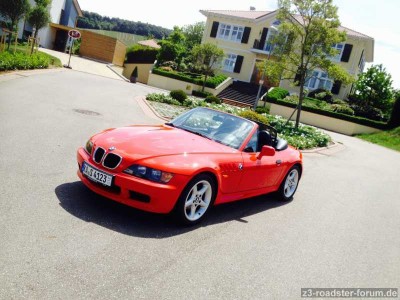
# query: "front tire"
[289,184]
[195,200]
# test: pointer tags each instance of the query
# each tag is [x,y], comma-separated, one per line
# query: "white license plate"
[96,175]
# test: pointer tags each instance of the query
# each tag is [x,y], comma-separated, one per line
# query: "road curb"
[149,110]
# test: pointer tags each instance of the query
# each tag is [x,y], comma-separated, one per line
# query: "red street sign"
[75,34]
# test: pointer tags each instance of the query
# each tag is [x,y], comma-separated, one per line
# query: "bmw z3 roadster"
[202,158]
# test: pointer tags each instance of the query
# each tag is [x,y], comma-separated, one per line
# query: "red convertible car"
[202,158]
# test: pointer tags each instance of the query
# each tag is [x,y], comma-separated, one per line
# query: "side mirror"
[266,151]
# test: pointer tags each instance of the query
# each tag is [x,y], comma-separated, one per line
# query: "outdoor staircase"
[242,94]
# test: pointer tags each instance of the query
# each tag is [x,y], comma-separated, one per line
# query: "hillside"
[93,20]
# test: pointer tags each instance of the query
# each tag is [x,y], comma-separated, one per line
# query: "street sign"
[75,34]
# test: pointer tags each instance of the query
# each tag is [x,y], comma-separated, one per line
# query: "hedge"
[354,119]
[201,94]
[140,55]
[212,82]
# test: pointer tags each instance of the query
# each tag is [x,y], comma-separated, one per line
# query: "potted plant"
[134,75]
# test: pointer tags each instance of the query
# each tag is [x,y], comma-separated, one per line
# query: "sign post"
[73,34]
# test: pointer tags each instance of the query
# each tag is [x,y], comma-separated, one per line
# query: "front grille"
[112,161]
[98,154]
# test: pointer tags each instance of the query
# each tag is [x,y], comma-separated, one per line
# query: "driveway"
[61,241]
[87,65]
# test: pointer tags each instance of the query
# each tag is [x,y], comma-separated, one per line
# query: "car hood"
[138,142]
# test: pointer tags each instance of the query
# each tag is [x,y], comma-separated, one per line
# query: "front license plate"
[96,175]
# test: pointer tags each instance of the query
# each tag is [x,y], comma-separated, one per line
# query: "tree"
[172,48]
[307,31]
[13,10]
[193,34]
[374,88]
[207,57]
[39,17]
[395,118]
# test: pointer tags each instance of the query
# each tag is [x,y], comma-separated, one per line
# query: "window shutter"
[263,38]
[214,29]
[336,87]
[238,64]
[246,35]
[346,52]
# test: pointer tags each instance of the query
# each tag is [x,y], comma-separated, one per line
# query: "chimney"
[252,8]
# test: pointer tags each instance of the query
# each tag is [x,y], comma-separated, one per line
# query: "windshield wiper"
[170,124]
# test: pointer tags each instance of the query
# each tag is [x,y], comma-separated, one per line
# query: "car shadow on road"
[84,204]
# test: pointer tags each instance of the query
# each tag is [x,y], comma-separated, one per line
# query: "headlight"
[149,173]
[89,147]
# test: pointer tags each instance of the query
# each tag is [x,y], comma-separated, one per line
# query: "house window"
[229,63]
[271,35]
[230,32]
[318,79]
[339,50]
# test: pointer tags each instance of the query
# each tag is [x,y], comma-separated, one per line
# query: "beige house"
[244,36]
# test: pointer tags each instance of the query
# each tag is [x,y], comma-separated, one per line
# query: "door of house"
[60,41]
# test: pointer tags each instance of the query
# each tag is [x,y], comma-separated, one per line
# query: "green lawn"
[389,139]
[127,38]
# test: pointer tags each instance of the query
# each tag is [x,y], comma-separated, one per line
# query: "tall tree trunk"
[34,40]
[204,82]
[11,35]
[301,98]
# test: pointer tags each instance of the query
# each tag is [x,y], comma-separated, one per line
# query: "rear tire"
[196,199]
[289,184]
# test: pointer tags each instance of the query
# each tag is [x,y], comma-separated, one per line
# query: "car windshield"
[215,125]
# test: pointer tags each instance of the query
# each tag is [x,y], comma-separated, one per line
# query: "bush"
[339,101]
[23,61]
[277,94]
[201,94]
[343,109]
[321,94]
[354,119]
[178,95]
[212,82]
[395,117]
[162,98]
[253,116]
[262,110]
[140,55]
[213,99]
[368,112]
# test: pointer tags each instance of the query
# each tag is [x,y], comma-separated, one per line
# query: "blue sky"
[374,18]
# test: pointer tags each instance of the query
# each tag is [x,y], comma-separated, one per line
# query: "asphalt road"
[61,241]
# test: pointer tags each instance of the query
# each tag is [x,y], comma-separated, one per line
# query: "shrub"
[213,99]
[368,112]
[23,61]
[277,94]
[178,95]
[343,109]
[201,94]
[354,119]
[262,110]
[140,54]
[162,98]
[212,82]
[253,116]
[395,117]
[339,101]
[321,94]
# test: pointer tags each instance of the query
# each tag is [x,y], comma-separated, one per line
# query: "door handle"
[278,162]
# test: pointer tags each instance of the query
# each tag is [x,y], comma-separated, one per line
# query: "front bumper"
[136,192]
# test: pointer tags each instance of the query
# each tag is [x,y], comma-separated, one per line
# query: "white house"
[63,15]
